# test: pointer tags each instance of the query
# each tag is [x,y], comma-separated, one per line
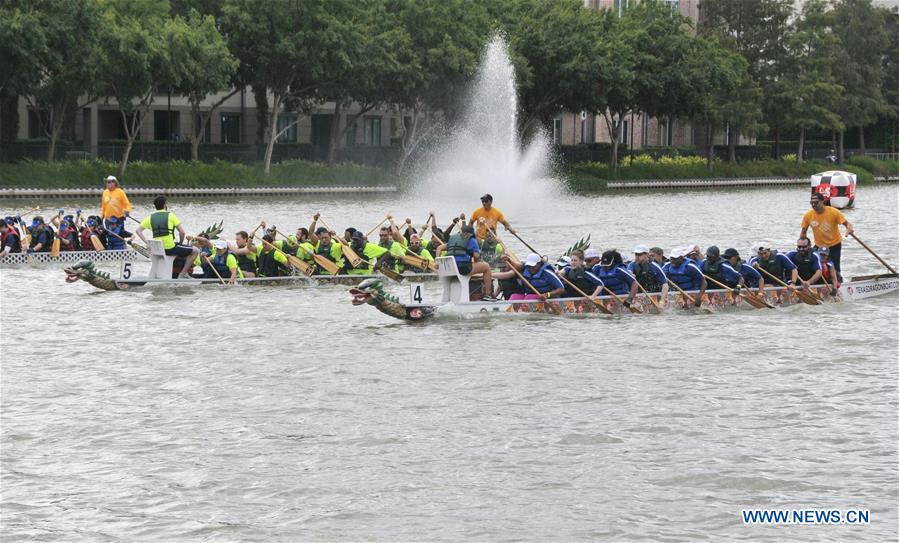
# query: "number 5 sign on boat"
[127,269]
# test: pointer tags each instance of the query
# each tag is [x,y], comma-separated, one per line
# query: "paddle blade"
[95,241]
[54,249]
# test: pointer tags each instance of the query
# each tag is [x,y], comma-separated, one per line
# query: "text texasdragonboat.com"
[806,516]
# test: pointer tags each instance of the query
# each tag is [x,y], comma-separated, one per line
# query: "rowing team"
[587,273]
[62,233]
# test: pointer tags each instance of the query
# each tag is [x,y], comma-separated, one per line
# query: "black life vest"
[159,223]
[579,279]
[267,266]
[245,264]
[387,258]
[325,251]
[714,271]
[805,265]
[43,235]
[644,275]
[772,265]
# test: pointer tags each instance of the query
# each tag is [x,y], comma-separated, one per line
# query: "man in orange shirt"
[491,216]
[114,202]
[825,221]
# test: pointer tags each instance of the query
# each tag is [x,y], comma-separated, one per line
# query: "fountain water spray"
[484,153]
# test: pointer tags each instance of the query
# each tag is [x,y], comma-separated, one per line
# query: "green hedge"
[595,176]
[877,167]
[89,173]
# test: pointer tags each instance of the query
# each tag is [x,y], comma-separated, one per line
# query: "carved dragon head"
[370,291]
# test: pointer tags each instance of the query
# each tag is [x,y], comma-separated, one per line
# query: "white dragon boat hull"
[69,257]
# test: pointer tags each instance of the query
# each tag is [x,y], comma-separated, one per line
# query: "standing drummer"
[491,216]
[825,221]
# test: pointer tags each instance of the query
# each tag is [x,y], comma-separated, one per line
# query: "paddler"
[591,258]
[41,236]
[775,263]
[305,248]
[327,248]
[245,252]
[222,264]
[581,277]
[68,237]
[491,216]
[390,238]
[825,221]
[90,229]
[269,261]
[491,248]
[685,274]
[366,250]
[163,223]
[539,274]
[717,268]
[657,254]
[829,274]
[647,272]
[416,248]
[116,242]
[808,263]
[114,202]
[10,242]
[749,276]
[615,276]
[464,249]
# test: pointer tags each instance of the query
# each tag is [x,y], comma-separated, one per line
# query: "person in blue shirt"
[749,276]
[614,275]
[685,274]
[808,263]
[41,236]
[464,248]
[116,235]
[717,268]
[647,272]
[775,263]
[539,274]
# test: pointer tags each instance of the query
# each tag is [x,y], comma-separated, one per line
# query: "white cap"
[220,244]
[677,252]
[590,253]
[532,260]
[564,261]
[111,178]
[641,249]
[759,245]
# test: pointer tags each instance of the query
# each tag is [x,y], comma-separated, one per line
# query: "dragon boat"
[160,274]
[69,257]
[456,298]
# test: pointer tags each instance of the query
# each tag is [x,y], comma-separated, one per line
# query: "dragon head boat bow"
[85,271]
[371,292]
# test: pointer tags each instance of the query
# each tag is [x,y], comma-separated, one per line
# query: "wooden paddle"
[139,248]
[348,251]
[329,266]
[30,211]
[294,262]
[95,239]
[648,295]
[754,302]
[684,292]
[215,270]
[377,225]
[804,296]
[882,261]
[586,296]
[380,266]
[546,304]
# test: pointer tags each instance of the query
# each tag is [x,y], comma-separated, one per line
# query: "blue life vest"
[220,263]
[679,275]
[612,280]
[541,280]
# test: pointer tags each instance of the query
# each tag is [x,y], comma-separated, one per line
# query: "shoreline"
[194,191]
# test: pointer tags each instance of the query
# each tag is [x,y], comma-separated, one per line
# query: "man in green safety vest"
[163,223]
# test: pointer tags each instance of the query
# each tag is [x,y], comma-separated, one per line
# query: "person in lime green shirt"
[365,249]
[390,239]
[416,248]
[270,262]
[491,249]
[222,264]
[329,249]
[163,223]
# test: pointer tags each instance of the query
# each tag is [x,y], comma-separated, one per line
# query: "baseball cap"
[824,250]
[730,253]
[532,260]
[220,244]
[63,225]
[487,197]
[607,258]
[677,252]
[111,178]
[112,220]
[713,251]
[590,253]
[467,229]
[639,249]
[564,261]
[358,235]
[37,221]
[760,245]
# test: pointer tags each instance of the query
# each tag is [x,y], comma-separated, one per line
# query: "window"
[557,131]
[373,131]
[289,135]
[352,133]
[230,128]
[586,128]
[165,125]
[673,4]
[666,132]
[619,6]
[625,132]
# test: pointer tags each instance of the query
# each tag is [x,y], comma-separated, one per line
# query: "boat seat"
[454,284]
[160,263]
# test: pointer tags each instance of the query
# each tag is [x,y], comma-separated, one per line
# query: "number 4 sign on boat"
[417,293]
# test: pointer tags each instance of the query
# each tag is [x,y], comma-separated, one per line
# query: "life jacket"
[580,280]
[679,275]
[220,264]
[112,242]
[488,251]
[388,259]
[772,265]
[646,278]
[457,247]
[159,222]
[714,270]
[43,235]
[69,235]
[826,273]
[805,264]
[611,280]
[540,280]
[247,262]
[267,266]
[17,244]
[86,244]
[325,251]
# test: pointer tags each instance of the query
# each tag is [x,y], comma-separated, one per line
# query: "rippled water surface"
[283,414]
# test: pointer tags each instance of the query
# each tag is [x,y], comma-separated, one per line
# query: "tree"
[203,66]
[810,86]
[758,30]
[858,65]
[22,45]
[134,61]
[295,48]
[891,78]
[67,68]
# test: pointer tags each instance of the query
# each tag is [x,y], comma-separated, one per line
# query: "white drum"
[837,186]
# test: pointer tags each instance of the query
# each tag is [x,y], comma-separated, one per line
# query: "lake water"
[285,414]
